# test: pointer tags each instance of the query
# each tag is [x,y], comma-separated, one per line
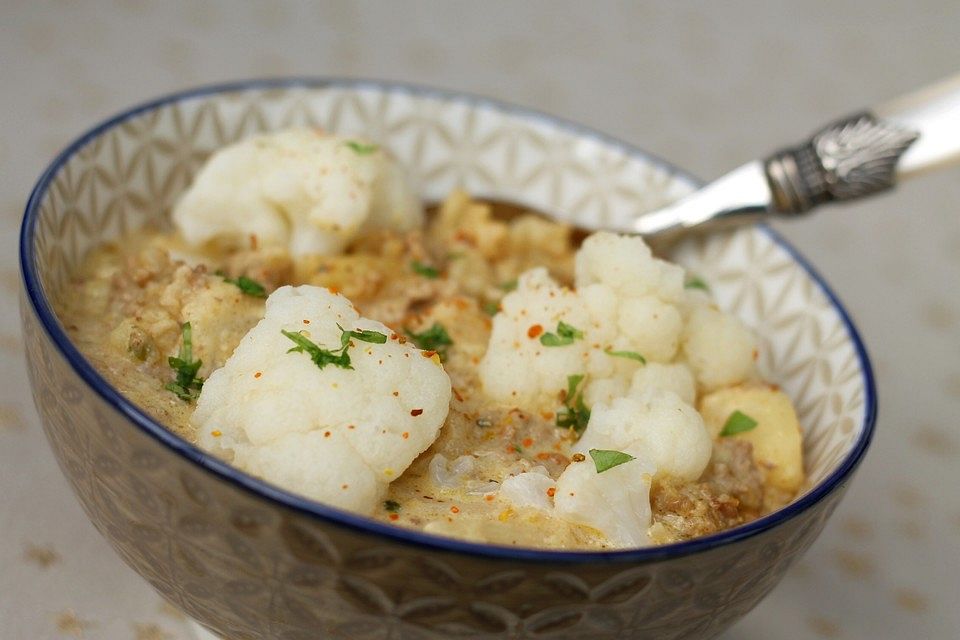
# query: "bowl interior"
[130,170]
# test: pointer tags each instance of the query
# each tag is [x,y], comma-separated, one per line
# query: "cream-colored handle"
[934,113]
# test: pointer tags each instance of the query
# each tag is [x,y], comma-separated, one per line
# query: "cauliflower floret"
[656,426]
[335,434]
[301,188]
[529,489]
[719,348]
[626,265]
[624,310]
[535,308]
[664,435]
[666,377]
[615,502]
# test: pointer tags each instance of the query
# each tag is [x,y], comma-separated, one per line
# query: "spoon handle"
[867,152]
[933,112]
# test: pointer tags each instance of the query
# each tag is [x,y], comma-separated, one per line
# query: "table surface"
[706,85]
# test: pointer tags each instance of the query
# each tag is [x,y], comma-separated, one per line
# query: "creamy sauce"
[125,310]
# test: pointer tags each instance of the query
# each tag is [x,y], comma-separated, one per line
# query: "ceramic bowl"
[249,560]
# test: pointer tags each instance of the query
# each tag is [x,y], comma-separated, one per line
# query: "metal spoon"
[857,156]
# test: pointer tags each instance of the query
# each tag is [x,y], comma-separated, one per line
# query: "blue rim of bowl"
[86,371]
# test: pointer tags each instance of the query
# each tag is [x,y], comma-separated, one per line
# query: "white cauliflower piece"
[615,502]
[300,188]
[718,347]
[626,265]
[625,308]
[665,377]
[534,308]
[656,426]
[334,434]
[529,489]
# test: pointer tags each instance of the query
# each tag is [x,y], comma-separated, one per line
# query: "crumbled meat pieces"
[729,493]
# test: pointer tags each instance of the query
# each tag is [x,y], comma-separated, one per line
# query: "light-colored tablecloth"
[707,85]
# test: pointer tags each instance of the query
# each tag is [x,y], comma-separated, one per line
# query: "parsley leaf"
[605,459]
[425,270]
[565,335]
[337,357]
[361,334]
[491,308]
[435,338]
[575,415]
[632,355]
[738,422]
[391,505]
[696,282]
[187,384]
[508,286]
[247,285]
[360,148]
[320,356]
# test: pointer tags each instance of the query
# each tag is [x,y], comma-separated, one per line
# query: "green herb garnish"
[425,270]
[696,282]
[363,335]
[320,356]
[337,357]
[631,355]
[391,505]
[435,338]
[360,148]
[247,285]
[575,415]
[508,286]
[605,459]
[738,422]
[491,308]
[565,335]
[187,384]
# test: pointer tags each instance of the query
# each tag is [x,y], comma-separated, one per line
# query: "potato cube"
[776,440]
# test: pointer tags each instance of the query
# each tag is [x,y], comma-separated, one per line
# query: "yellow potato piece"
[776,439]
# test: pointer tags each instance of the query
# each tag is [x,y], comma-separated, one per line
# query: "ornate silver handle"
[851,158]
[857,156]
[867,152]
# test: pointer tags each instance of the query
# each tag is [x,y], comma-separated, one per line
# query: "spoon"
[854,157]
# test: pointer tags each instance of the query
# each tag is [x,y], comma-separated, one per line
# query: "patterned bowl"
[248,560]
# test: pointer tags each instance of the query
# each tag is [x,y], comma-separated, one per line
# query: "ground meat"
[729,493]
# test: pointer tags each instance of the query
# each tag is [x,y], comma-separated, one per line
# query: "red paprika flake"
[416,412]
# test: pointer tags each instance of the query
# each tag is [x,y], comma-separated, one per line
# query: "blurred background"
[706,85]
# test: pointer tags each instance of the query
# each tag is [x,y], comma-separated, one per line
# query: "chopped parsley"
[575,415]
[605,459]
[435,338]
[696,282]
[337,357]
[631,355]
[425,270]
[187,384]
[391,505]
[738,422]
[247,285]
[564,336]
[320,356]
[509,285]
[360,148]
[491,308]
[363,335]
